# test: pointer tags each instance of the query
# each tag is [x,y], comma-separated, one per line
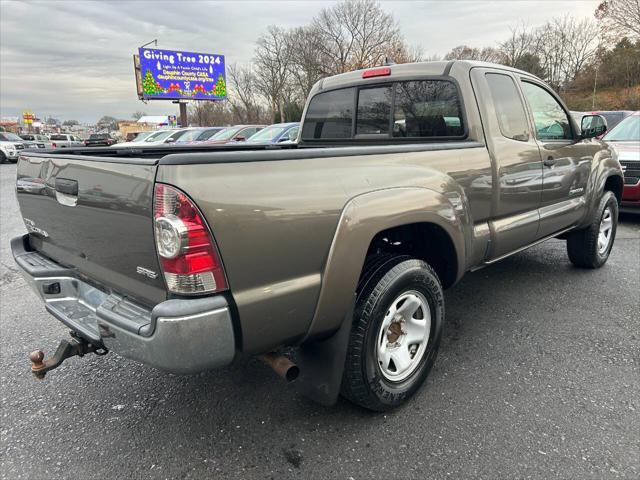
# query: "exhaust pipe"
[281,365]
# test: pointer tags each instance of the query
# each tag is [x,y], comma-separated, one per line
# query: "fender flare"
[362,218]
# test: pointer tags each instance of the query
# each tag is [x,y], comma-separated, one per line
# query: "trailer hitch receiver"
[76,346]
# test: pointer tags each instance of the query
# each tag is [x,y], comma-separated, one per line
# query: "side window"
[292,134]
[428,108]
[550,118]
[329,115]
[512,118]
[374,111]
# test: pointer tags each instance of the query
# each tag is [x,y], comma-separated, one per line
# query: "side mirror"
[593,126]
[170,140]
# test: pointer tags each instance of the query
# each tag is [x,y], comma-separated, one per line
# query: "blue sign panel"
[173,75]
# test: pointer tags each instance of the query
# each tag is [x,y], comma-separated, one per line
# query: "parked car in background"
[99,140]
[612,117]
[199,134]
[41,141]
[276,133]
[139,139]
[65,140]
[10,146]
[625,139]
[138,136]
[237,133]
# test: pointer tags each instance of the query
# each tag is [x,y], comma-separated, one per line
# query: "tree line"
[577,57]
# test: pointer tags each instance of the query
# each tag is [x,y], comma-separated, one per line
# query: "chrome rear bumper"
[178,335]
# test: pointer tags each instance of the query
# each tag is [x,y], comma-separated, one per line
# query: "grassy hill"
[612,98]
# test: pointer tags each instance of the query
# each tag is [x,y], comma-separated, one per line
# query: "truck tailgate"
[94,215]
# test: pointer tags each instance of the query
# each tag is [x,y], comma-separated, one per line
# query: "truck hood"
[627,151]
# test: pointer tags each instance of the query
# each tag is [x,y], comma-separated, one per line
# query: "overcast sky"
[73,59]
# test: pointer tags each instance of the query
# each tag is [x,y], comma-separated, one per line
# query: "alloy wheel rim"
[403,336]
[604,234]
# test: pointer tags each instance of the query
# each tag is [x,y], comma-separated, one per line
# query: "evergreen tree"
[220,90]
[149,86]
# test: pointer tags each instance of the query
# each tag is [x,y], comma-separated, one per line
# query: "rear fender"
[362,218]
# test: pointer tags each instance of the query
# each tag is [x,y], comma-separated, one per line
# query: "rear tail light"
[54,145]
[188,254]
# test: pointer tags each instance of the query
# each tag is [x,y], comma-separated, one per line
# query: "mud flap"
[322,364]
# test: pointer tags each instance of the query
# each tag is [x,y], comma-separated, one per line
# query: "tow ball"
[76,346]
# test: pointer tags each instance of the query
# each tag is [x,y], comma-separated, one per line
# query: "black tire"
[386,279]
[3,157]
[582,245]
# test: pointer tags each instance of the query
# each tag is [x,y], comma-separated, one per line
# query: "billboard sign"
[176,75]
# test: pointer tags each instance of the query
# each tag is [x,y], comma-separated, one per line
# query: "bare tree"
[621,16]
[522,42]
[565,46]
[243,98]
[272,60]
[464,52]
[355,34]
[138,115]
[209,114]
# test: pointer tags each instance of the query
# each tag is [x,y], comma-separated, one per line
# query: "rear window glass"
[413,109]
[429,108]
[58,137]
[374,111]
[330,115]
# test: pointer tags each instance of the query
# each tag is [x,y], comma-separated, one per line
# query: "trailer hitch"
[76,346]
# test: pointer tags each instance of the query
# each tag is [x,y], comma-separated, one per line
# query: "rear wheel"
[396,332]
[3,157]
[590,247]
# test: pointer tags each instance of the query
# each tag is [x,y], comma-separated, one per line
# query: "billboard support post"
[184,122]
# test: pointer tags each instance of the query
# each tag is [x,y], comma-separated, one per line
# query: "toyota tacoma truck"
[327,258]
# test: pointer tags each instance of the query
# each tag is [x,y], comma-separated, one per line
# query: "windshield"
[159,136]
[10,137]
[627,130]
[189,136]
[226,134]
[142,136]
[207,134]
[267,134]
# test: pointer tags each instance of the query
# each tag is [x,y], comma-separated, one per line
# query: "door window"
[552,122]
[512,118]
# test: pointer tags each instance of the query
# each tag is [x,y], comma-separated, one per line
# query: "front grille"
[631,172]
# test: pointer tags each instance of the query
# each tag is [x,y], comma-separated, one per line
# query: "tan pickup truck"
[404,177]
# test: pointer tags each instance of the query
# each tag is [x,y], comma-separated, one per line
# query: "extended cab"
[404,177]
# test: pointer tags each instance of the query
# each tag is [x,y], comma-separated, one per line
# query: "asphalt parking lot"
[538,377]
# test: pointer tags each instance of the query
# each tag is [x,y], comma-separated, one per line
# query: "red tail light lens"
[188,255]
[54,145]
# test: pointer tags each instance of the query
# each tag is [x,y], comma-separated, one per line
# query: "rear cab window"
[410,110]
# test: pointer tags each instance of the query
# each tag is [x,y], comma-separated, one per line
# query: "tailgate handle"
[66,185]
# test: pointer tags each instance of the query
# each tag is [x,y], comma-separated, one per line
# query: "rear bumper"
[180,335]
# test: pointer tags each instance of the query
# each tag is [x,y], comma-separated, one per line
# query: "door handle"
[549,162]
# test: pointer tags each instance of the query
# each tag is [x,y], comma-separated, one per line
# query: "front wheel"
[3,157]
[396,333]
[591,246]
